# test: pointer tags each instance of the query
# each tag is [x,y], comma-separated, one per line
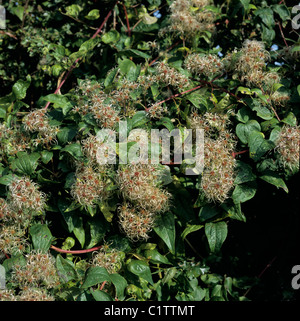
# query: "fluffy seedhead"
[204,65]
[169,76]
[12,141]
[219,164]
[138,184]
[34,294]
[89,187]
[7,295]
[136,223]
[39,270]
[12,239]
[109,258]
[288,147]
[38,121]
[24,195]
[190,17]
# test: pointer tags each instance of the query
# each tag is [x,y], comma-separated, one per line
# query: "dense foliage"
[74,229]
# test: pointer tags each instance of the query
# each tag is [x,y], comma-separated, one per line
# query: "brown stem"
[102,285]
[281,31]
[78,59]
[262,272]
[176,95]
[239,153]
[127,21]
[75,251]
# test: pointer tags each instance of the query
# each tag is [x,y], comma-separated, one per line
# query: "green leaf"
[244,130]
[73,10]
[18,11]
[110,36]
[98,229]
[167,122]
[243,193]
[245,4]
[244,115]
[93,14]
[298,89]
[266,15]
[120,284]
[282,11]
[135,53]
[290,119]
[65,268]
[41,237]
[7,179]
[207,212]
[26,163]
[100,295]
[66,134]
[20,87]
[244,173]
[235,212]
[165,229]
[141,269]
[74,150]
[190,229]
[216,234]
[8,264]
[78,231]
[95,275]
[125,66]
[110,77]
[139,119]
[274,179]
[59,101]
[46,156]
[155,257]
[259,145]
[147,19]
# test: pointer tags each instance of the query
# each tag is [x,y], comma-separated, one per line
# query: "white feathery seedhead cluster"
[190,17]
[219,164]
[38,121]
[288,147]
[170,76]
[89,187]
[207,65]
[109,258]
[24,194]
[34,294]
[12,141]
[39,270]
[138,184]
[12,239]
[136,223]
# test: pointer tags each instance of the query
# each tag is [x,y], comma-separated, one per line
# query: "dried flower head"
[7,295]
[109,258]
[89,187]
[39,270]
[138,184]
[207,65]
[24,194]
[12,239]
[136,223]
[170,76]
[38,121]
[35,294]
[190,17]
[288,147]
[219,165]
